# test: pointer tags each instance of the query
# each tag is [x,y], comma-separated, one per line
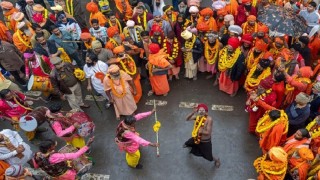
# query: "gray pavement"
[231,142]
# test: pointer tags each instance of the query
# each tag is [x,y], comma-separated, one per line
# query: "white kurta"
[90,73]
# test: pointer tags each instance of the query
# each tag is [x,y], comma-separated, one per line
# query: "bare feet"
[217,163]
[233,95]
[195,78]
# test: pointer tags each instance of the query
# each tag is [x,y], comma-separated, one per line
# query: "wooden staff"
[157,133]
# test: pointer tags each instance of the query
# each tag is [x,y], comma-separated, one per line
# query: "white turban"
[235,29]
[193,9]
[218,5]
[130,23]
[21,25]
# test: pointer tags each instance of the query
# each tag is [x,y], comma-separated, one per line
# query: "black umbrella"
[271,16]
[292,25]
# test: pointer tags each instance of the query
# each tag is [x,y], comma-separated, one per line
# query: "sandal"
[217,163]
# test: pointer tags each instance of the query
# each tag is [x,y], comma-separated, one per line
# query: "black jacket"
[197,50]
[238,68]
[51,46]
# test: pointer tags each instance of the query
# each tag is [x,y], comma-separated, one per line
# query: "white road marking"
[33,93]
[214,107]
[93,176]
[158,102]
[98,98]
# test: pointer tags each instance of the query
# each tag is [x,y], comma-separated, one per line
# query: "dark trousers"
[16,76]
[75,56]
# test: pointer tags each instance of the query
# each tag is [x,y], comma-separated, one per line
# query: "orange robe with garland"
[299,166]
[159,83]
[120,11]
[101,18]
[314,46]
[4,33]
[22,41]
[211,23]
[247,29]
[292,144]
[232,8]
[273,137]
[9,21]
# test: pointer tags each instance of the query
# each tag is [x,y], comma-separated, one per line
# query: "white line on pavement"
[158,103]
[93,176]
[214,107]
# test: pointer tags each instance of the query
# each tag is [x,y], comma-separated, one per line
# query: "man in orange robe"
[299,140]
[22,36]
[232,7]
[272,129]
[96,14]
[299,163]
[251,26]
[8,10]
[220,20]
[123,10]
[115,39]
[277,47]
[206,16]
[127,64]
[5,34]
[158,67]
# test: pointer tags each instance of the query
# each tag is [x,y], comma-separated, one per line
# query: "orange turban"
[206,11]
[222,12]
[279,40]
[306,71]
[263,28]
[246,1]
[261,45]
[6,5]
[277,154]
[251,18]
[112,31]
[154,48]
[306,154]
[92,7]
[202,26]
[85,36]
[286,54]
[118,50]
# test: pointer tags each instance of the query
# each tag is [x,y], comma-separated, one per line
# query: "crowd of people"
[48,46]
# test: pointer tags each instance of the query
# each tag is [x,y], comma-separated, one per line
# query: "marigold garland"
[144,20]
[268,168]
[197,125]
[129,62]
[252,82]
[189,45]
[174,52]
[211,53]
[70,7]
[226,60]
[114,42]
[313,129]
[118,24]
[23,39]
[251,60]
[249,31]
[114,91]
[300,80]
[265,122]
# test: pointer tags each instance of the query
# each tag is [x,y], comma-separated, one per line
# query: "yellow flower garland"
[114,42]
[70,7]
[144,20]
[114,91]
[269,167]
[211,53]
[296,78]
[254,82]
[189,45]
[129,61]
[174,52]
[25,42]
[246,25]
[118,24]
[226,60]
[197,124]
[314,132]
[265,122]
[251,61]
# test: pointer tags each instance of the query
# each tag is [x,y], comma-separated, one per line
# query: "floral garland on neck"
[265,122]
[296,78]
[252,82]
[118,24]
[24,39]
[251,60]
[114,91]
[144,24]
[175,51]
[69,4]
[197,125]
[114,42]
[189,45]
[314,129]
[159,23]
[159,39]
[45,13]
[211,53]
[270,168]
[128,65]
[247,29]
[275,51]
[226,60]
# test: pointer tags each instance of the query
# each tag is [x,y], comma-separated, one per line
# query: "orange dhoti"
[159,84]
[226,84]
[137,83]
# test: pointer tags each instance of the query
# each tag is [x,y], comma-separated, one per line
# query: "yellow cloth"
[77,142]
[133,158]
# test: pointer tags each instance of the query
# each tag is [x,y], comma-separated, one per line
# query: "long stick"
[95,101]
[156,118]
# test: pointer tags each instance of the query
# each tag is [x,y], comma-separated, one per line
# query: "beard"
[212,43]
[247,7]
[90,64]
[257,73]
[256,54]
[117,39]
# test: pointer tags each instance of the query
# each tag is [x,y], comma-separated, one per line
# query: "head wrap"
[6,5]
[216,5]
[316,86]
[57,8]
[118,50]
[286,54]
[229,18]
[205,107]
[186,34]
[112,31]
[28,55]
[156,13]
[251,18]
[267,55]
[277,154]
[14,171]
[130,23]
[154,48]
[302,98]
[38,17]
[85,36]
[194,3]
[96,44]
[18,16]
[21,25]
[234,42]
[263,28]
[264,63]
[279,40]
[306,71]
[55,60]
[206,12]
[167,8]
[246,1]
[113,68]
[193,9]
[235,29]
[267,82]
[305,153]
[304,39]
[156,28]
[38,8]
[222,12]
[202,26]
[261,45]
[247,38]
[92,7]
